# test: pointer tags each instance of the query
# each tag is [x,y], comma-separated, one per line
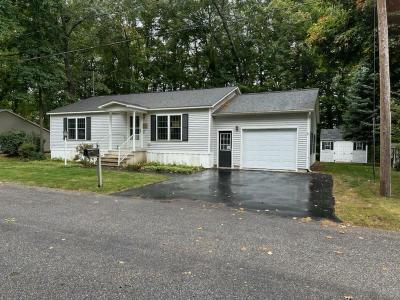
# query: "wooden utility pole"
[385,123]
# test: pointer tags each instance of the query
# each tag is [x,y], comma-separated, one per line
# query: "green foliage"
[358,119]
[170,45]
[11,141]
[85,161]
[157,167]
[28,150]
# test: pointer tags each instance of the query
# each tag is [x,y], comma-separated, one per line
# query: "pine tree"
[358,119]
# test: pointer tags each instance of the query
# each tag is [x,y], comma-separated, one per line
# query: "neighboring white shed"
[334,148]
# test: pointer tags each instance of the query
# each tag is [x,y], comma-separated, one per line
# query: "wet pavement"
[291,194]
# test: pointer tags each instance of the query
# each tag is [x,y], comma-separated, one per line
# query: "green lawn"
[54,174]
[357,196]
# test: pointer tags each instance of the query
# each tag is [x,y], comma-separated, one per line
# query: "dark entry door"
[225,149]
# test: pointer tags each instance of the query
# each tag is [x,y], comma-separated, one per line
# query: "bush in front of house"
[29,150]
[83,160]
[10,143]
[163,168]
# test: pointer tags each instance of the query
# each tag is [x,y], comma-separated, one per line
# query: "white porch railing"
[124,149]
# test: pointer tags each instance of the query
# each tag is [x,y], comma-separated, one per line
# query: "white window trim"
[76,129]
[330,144]
[362,146]
[169,127]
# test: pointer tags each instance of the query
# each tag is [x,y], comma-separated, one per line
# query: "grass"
[162,168]
[53,174]
[357,196]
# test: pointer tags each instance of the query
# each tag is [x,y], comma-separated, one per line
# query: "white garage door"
[270,149]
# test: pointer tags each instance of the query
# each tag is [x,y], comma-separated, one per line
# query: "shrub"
[157,167]
[11,141]
[29,150]
[85,161]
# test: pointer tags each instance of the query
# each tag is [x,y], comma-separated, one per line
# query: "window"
[358,146]
[175,127]
[327,145]
[71,129]
[225,141]
[169,127]
[162,127]
[137,127]
[76,128]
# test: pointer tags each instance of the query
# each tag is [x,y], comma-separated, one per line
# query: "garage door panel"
[270,148]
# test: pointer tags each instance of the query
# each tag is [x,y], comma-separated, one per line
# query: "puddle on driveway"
[291,194]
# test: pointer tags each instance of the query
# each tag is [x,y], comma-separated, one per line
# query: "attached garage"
[274,149]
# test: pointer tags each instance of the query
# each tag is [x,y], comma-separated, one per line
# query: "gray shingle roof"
[188,98]
[334,134]
[297,100]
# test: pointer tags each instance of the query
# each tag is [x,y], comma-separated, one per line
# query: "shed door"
[343,151]
[270,149]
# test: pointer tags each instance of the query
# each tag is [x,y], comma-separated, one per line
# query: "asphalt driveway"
[70,245]
[294,194]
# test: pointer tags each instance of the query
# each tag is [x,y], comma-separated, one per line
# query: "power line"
[96,46]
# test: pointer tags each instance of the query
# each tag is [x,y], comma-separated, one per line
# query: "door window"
[225,142]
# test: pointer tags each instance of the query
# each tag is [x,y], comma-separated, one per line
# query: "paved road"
[69,245]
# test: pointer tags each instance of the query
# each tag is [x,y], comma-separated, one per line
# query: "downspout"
[211,160]
[308,141]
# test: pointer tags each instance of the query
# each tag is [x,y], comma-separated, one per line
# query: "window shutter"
[64,128]
[354,146]
[332,143]
[153,127]
[185,127]
[88,128]
[364,146]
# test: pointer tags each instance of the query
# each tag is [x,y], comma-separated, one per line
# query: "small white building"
[334,148]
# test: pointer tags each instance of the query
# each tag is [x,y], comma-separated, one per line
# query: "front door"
[225,149]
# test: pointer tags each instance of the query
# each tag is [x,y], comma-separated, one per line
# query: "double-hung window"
[76,128]
[327,145]
[358,146]
[169,127]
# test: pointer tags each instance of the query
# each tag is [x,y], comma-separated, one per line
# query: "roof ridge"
[162,92]
[280,92]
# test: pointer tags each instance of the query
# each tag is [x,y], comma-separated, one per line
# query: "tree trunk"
[385,120]
[40,104]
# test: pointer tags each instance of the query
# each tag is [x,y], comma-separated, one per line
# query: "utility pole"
[385,123]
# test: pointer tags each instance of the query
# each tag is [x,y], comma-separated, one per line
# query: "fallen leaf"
[243,249]
[121,262]
[329,237]
[294,218]
[360,237]
[200,228]
[9,220]
[348,297]
[187,273]
[338,252]
[269,252]
[306,219]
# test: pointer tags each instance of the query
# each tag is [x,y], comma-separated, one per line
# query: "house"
[10,121]
[216,127]
[334,148]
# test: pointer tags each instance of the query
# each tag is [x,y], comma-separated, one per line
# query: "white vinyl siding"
[198,133]
[99,133]
[289,120]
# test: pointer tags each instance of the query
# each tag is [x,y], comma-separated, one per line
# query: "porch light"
[237,128]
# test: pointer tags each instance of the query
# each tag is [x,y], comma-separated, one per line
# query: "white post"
[127,125]
[141,131]
[65,151]
[134,131]
[110,145]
